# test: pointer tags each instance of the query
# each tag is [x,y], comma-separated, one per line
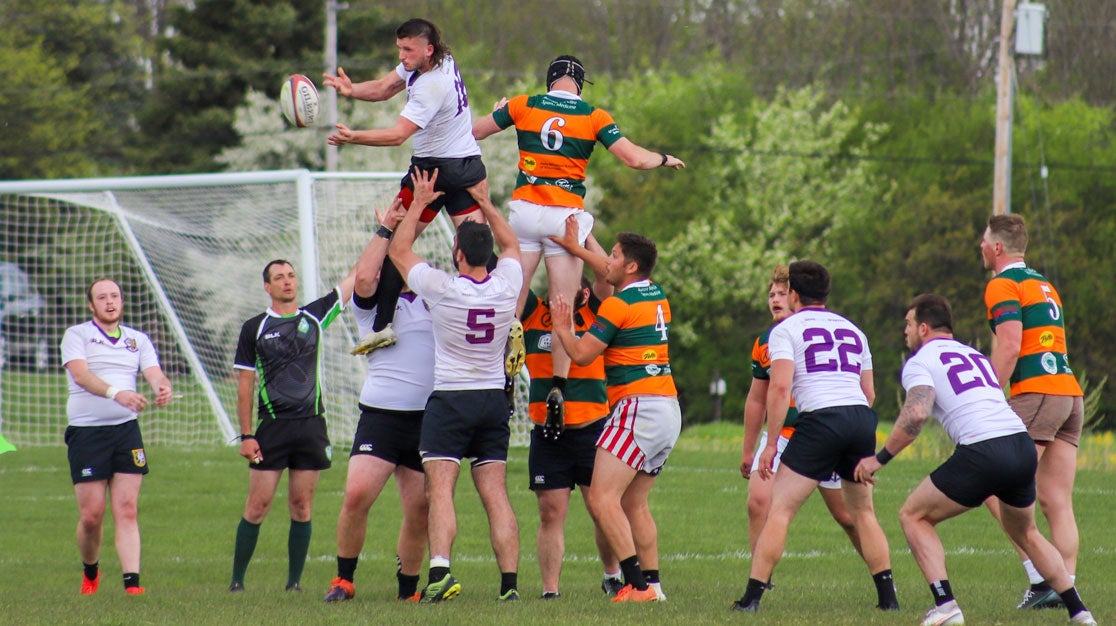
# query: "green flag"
[5,446]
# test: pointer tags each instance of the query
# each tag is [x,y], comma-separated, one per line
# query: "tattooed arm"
[916,410]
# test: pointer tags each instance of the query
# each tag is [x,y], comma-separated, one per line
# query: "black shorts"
[564,463]
[455,176]
[1003,467]
[301,443]
[466,425]
[98,452]
[389,435]
[829,440]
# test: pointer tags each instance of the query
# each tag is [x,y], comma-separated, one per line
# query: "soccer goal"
[188,252]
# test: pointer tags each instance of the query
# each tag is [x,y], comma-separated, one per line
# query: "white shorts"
[642,430]
[534,223]
[834,481]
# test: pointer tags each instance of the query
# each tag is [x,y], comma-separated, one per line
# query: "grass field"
[193,498]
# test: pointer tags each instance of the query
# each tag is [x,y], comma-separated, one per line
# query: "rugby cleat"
[658,587]
[551,595]
[445,589]
[89,587]
[555,415]
[630,594]
[293,587]
[415,597]
[135,591]
[515,351]
[746,607]
[340,590]
[1084,617]
[375,340]
[511,595]
[1040,596]
[236,586]
[948,614]
[611,586]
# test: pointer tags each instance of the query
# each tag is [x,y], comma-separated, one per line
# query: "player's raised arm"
[378,90]
[501,231]
[401,249]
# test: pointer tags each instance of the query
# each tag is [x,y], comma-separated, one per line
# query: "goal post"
[188,251]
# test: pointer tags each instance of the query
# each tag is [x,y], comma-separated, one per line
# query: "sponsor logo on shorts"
[365,447]
[329,453]
[139,458]
[86,472]
[540,479]
[1046,339]
[1049,363]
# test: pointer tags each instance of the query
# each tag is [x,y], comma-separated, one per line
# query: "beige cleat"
[515,352]
[374,341]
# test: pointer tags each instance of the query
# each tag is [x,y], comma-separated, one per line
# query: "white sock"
[439,561]
[612,575]
[1032,573]
[658,587]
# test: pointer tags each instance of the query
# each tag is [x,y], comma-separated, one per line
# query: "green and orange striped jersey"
[761,370]
[1021,294]
[585,395]
[635,323]
[556,137]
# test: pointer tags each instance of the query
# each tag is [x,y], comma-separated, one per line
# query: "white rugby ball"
[299,101]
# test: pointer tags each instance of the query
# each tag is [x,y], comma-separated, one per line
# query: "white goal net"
[188,252]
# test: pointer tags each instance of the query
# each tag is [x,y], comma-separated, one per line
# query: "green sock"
[247,534]
[298,544]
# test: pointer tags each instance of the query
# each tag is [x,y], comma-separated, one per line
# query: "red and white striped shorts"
[642,430]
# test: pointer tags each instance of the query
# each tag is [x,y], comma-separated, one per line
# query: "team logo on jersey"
[303,326]
[564,184]
[130,345]
[139,458]
[1049,363]
[650,355]
[1046,339]
[529,164]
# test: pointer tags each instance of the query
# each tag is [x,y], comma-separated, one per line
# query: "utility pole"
[1001,183]
[331,8]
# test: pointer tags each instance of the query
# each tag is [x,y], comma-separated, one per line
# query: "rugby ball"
[299,101]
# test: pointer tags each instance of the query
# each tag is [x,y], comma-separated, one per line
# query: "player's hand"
[163,394]
[131,400]
[866,469]
[424,187]
[392,215]
[674,163]
[501,103]
[341,82]
[250,449]
[767,461]
[343,135]
[571,236]
[746,464]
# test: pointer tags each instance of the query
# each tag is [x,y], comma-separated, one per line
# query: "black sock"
[131,579]
[508,581]
[754,591]
[346,567]
[632,574]
[408,585]
[651,575]
[1073,601]
[91,570]
[885,589]
[943,593]
[437,574]
[560,383]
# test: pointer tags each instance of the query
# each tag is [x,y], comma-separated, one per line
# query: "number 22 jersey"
[829,353]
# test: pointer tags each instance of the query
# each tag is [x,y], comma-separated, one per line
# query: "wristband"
[111,392]
[384,231]
[883,456]
[247,437]
[663,164]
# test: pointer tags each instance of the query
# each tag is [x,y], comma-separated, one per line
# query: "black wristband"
[384,231]
[247,437]
[883,456]
[663,164]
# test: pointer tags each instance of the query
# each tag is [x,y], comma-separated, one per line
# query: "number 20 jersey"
[829,352]
[968,401]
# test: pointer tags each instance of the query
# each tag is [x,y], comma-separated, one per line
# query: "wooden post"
[1001,183]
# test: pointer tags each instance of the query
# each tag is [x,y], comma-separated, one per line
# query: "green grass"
[193,498]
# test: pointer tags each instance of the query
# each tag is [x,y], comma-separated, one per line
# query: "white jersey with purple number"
[400,376]
[471,323]
[968,400]
[116,361]
[829,352]
[438,104]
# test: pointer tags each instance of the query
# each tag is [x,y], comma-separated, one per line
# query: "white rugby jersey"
[471,323]
[117,362]
[968,400]
[438,104]
[829,352]
[400,376]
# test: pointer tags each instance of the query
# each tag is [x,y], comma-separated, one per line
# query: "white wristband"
[111,392]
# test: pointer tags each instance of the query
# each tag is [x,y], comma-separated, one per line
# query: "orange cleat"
[340,590]
[89,587]
[135,591]
[631,594]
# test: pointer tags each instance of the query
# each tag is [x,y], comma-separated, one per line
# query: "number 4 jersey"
[968,402]
[635,323]
[829,353]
